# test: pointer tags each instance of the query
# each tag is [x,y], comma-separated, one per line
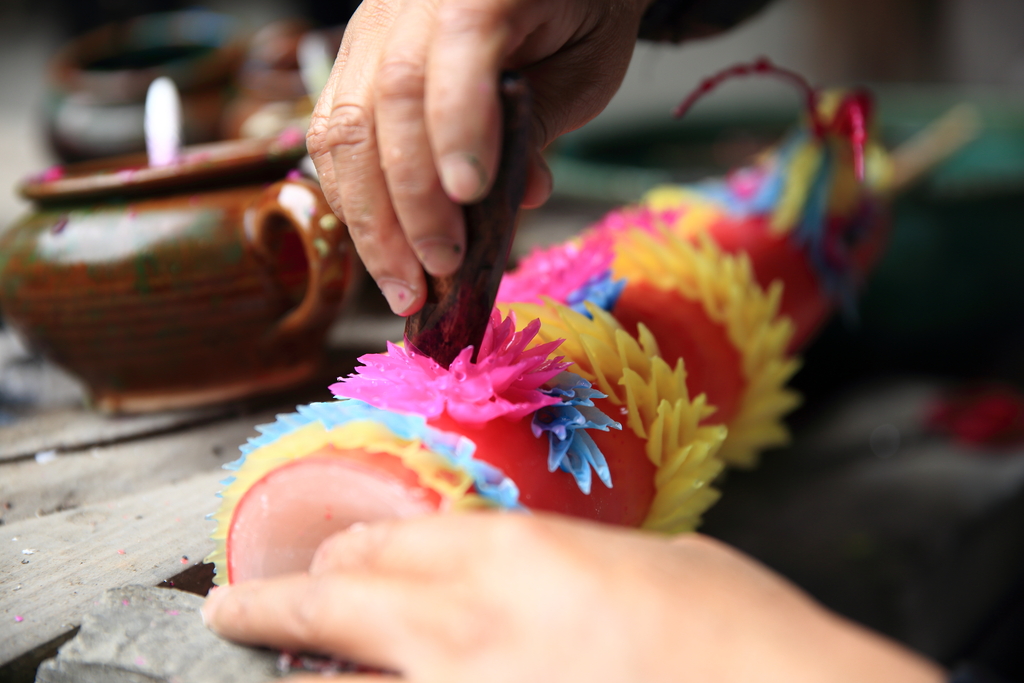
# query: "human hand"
[408,126]
[504,597]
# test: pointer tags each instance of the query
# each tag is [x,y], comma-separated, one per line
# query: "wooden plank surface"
[32,489]
[55,568]
[72,428]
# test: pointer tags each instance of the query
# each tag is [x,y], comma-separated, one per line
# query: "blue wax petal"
[770,193]
[235,465]
[293,420]
[493,485]
[578,468]
[570,448]
[557,450]
[557,419]
[595,419]
[596,458]
[600,290]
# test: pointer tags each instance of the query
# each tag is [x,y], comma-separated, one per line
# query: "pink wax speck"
[52,173]
[746,182]
[197,158]
[173,612]
[125,603]
[290,137]
[140,661]
[294,174]
[120,552]
[18,618]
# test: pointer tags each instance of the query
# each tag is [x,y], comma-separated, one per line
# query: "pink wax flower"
[615,222]
[556,272]
[580,270]
[504,381]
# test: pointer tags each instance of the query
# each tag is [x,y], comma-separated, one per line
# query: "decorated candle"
[514,430]
[619,375]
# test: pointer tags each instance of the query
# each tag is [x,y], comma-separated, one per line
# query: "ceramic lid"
[221,163]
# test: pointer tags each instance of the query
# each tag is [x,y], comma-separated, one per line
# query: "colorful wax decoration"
[513,430]
[700,304]
[735,274]
[810,213]
[621,372]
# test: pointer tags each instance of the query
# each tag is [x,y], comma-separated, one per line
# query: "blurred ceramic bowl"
[97,83]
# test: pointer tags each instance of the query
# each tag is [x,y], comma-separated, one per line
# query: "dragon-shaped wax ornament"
[624,370]
[733,275]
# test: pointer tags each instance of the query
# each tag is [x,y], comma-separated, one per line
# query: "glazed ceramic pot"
[179,286]
[96,85]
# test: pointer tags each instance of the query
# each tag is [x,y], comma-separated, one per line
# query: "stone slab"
[140,634]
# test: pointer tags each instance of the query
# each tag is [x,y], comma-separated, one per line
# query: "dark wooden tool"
[458,307]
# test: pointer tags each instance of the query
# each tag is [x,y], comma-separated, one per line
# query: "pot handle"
[330,254]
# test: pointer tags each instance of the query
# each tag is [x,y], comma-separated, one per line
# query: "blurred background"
[968,44]
[881,509]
